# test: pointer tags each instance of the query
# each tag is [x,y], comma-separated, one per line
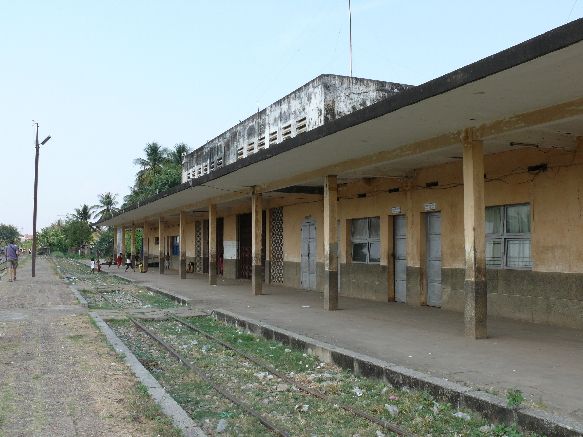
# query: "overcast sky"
[104,78]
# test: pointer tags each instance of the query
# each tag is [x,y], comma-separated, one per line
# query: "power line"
[572,8]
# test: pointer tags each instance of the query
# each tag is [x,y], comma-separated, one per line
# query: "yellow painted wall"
[293,217]
[555,196]
[230,228]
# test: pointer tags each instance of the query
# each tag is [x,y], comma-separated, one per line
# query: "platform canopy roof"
[529,94]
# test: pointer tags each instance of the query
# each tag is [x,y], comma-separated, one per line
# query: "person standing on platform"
[12,259]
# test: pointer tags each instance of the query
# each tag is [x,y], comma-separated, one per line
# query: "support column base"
[330,290]
[212,269]
[182,268]
[145,263]
[256,279]
[267,271]
[476,309]
[161,264]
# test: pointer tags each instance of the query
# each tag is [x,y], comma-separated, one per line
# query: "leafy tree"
[169,176]
[160,170]
[104,244]
[177,154]
[106,207]
[8,233]
[53,237]
[156,157]
[77,233]
[84,214]
[128,242]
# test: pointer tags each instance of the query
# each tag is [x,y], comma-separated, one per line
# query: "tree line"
[159,170]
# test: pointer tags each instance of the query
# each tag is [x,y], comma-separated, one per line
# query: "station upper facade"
[388,162]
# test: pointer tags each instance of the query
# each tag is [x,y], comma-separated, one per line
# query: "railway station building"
[463,193]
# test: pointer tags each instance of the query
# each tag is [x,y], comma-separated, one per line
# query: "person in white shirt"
[129,263]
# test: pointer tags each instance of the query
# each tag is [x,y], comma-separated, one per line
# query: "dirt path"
[57,375]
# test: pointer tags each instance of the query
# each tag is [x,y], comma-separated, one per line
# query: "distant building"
[463,193]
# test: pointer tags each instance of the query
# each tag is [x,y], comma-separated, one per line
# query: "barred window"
[508,243]
[366,241]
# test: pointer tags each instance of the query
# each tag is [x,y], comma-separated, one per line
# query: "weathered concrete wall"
[365,281]
[539,297]
[319,101]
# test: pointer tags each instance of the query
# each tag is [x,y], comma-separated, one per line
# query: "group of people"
[129,263]
[96,264]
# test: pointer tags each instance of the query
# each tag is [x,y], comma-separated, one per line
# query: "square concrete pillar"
[267,266]
[256,237]
[146,246]
[133,244]
[182,243]
[213,244]
[123,243]
[161,245]
[115,241]
[330,244]
[476,299]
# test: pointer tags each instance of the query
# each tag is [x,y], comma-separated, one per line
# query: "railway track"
[317,393]
[267,367]
[217,387]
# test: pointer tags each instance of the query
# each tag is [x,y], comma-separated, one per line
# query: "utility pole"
[34,209]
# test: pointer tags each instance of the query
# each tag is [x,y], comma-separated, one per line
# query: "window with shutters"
[508,243]
[366,240]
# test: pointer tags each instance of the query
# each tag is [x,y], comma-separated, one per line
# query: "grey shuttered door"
[400,249]
[434,259]
[308,256]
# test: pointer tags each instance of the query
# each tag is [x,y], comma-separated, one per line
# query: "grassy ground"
[107,291]
[416,411]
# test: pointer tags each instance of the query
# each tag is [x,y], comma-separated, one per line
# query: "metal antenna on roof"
[350,36]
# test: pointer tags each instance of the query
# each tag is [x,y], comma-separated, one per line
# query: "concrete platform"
[545,362]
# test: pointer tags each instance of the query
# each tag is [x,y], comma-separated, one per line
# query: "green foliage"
[151,165]
[176,155]
[77,233]
[84,214]
[506,431]
[53,237]
[514,398]
[8,233]
[167,177]
[104,244]
[106,207]
[161,170]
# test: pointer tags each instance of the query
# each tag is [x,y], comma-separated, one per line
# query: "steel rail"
[267,366]
[217,387]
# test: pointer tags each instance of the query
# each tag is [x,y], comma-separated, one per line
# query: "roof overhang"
[530,92]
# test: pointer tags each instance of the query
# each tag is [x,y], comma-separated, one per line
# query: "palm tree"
[156,156]
[106,207]
[177,155]
[84,214]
